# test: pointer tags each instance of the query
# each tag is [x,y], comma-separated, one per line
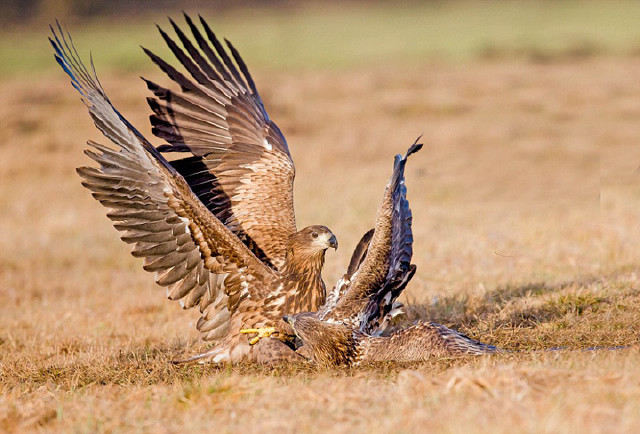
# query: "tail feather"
[422,342]
[457,342]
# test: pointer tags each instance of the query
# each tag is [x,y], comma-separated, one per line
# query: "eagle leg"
[262,332]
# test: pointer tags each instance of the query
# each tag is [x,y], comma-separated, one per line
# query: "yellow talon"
[263,332]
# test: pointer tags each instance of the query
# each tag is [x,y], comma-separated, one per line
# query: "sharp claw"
[264,332]
[245,331]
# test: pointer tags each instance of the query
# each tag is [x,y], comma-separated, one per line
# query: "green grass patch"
[350,36]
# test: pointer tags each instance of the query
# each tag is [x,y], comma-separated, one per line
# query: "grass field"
[526,222]
[333,36]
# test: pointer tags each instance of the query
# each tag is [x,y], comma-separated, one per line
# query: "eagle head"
[328,344]
[304,260]
[313,240]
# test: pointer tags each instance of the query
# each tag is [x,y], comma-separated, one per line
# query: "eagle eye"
[314,234]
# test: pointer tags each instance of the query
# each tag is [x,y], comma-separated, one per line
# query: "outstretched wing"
[239,163]
[191,252]
[381,264]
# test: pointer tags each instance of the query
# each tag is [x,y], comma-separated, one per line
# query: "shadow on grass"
[579,314]
[584,313]
[512,306]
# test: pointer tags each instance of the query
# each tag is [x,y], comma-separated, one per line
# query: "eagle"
[211,213]
[330,344]
[350,328]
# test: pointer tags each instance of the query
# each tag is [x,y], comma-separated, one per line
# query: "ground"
[526,212]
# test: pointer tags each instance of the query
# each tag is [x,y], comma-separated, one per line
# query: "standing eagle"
[217,226]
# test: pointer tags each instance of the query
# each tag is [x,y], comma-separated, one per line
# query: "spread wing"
[381,264]
[190,251]
[238,161]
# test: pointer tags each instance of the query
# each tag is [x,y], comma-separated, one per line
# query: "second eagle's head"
[327,344]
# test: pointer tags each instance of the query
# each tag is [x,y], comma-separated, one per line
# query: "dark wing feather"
[192,253]
[239,163]
[363,298]
[359,253]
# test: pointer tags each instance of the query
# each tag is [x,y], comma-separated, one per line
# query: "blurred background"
[284,34]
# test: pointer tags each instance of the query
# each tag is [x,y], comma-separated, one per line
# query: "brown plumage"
[348,327]
[338,344]
[238,162]
[217,227]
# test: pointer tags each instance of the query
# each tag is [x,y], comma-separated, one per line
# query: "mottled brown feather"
[239,163]
[337,344]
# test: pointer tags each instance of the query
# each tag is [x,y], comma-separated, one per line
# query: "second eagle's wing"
[381,264]
[182,242]
[238,161]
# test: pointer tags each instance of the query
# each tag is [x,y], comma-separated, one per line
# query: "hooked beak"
[288,319]
[333,242]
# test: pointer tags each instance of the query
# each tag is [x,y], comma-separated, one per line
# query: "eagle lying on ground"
[217,227]
[347,329]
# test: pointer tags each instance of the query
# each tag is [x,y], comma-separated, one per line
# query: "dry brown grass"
[526,224]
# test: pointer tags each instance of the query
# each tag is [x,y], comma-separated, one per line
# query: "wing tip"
[415,147]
